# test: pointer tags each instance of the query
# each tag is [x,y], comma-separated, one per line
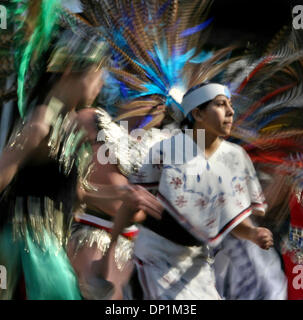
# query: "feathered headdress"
[39,28]
[269,101]
[29,28]
[158,51]
[35,22]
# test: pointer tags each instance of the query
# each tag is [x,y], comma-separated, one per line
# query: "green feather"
[37,44]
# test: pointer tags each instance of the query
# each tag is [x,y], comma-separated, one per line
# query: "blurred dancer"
[91,232]
[39,175]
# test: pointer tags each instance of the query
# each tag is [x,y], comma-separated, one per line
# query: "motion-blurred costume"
[37,206]
[91,230]
[269,90]
[157,56]
[92,227]
[246,272]
[163,62]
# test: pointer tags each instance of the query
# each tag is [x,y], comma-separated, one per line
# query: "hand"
[262,237]
[137,201]
[141,202]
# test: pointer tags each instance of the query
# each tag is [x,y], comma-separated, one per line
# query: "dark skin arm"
[31,139]
[115,196]
[262,237]
[106,179]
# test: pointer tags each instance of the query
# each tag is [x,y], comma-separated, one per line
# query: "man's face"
[217,117]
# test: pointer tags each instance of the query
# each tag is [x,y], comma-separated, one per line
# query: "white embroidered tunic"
[208,197]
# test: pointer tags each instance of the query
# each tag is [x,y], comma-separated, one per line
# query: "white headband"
[203,94]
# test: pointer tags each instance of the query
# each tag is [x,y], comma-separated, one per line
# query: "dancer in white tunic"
[205,195]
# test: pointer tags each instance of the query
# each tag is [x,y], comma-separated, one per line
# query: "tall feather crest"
[158,44]
[33,35]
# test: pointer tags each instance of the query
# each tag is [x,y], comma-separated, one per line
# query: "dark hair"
[188,121]
[43,80]
[42,88]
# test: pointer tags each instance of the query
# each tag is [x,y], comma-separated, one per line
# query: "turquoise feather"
[37,44]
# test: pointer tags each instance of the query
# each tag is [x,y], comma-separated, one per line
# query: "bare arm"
[136,201]
[105,178]
[114,188]
[106,192]
[16,154]
[260,236]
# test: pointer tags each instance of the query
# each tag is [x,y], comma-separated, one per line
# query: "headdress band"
[202,94]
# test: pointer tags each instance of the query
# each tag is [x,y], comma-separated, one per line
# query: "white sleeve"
[253,185]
